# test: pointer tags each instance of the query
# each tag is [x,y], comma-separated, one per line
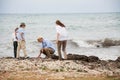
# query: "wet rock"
[22,58]
[117,42]
[83,58]
[93,59]
[55,56]
[70,56]
[77,57]
[118,59]
[108,42]
[97,46]
[8,57]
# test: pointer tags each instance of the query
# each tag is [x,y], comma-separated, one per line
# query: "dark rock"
[118,59]
[117,42]
[108,42]
[8,57]
[70,57]
[111,60]
[54,56]
[97,46]
[93,59]
[83,58]
[22,58]
[77,57]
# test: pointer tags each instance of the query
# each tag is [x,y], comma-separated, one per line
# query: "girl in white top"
[15,42]
[61,41]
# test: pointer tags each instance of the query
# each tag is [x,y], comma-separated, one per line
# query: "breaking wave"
[95,43]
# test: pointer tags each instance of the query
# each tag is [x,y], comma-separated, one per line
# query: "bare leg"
[59,50]
[64,43]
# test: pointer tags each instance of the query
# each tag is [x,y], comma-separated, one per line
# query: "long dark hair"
[60,23]
[16,29]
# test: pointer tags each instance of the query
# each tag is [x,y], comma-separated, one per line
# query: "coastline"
[45,69]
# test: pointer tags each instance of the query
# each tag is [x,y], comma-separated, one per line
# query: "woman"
[15,43]
[61,39]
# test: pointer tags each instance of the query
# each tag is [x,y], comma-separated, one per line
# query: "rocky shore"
[75,68]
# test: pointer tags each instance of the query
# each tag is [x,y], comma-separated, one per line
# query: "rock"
[97,46]
[117,42]
[103,63]
[93,59]
[77,57]
[92,66]
[8,57]
[70,57]
[83,58]
[54,56]
[108,42]
[66,67]
[118,59]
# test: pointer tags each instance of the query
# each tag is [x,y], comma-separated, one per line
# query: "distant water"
[81,28]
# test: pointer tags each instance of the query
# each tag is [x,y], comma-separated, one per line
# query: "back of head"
[60,23]
[22,24]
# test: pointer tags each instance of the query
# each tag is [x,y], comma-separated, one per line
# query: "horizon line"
[64,13]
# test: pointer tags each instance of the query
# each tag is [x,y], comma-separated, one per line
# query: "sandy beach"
[52,69]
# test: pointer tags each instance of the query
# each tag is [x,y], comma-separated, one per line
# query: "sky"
[59,6]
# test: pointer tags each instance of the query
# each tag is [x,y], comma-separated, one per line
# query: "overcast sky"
[59,6]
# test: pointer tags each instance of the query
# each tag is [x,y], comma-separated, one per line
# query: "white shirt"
[14,37]
[19,32]
[62,32]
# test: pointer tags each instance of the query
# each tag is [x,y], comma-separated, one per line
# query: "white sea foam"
[81,43]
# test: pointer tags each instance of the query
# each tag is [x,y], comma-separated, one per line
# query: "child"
[15,42]
[21,40]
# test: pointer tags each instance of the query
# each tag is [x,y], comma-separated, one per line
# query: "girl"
[61,39]
[15,43]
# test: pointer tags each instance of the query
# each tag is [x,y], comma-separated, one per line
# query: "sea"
[85,31]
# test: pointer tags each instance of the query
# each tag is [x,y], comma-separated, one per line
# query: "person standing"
[15,42]
[47,48]
[21,40]
[61,40]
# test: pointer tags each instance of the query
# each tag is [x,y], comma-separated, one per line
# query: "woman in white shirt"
[15,42]
[61,39]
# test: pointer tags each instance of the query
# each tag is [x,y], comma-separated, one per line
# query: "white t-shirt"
[19,32]
[63,33]
[14,36]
